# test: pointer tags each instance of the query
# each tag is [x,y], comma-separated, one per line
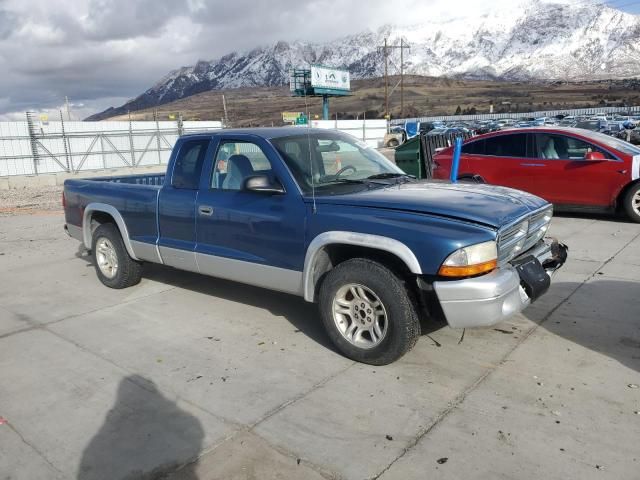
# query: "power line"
[385,50]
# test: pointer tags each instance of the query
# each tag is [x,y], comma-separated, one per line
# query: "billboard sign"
[296,118]
[330,78]
[291,117]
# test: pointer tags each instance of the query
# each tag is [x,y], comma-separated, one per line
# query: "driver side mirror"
[263,184]
[594,156]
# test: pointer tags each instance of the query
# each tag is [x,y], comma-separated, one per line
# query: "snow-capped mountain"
[535,40]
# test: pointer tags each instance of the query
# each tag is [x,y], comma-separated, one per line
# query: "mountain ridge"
[541,41]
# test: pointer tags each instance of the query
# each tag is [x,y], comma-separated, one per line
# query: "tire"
[361,284]
[631,203]
[108,250]
[393,143]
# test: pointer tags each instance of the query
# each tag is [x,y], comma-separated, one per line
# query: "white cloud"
[97,50]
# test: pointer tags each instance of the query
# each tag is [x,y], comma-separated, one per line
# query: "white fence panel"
[16,147]
[51,147]
[370,131]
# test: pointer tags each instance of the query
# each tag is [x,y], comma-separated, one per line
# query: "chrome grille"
[520,236]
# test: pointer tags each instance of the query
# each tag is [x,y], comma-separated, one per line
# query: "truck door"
[177,205]
[247,236]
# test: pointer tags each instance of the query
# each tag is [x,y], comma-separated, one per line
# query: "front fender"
[387,244]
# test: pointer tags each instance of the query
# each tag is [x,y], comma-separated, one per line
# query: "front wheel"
[114,267]
[367,312]
[632,203]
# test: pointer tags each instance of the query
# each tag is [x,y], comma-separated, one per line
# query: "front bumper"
[492,298]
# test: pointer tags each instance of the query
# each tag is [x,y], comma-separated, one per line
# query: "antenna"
[313,185]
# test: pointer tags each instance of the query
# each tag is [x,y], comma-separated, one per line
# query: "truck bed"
[135,197]
[156,179]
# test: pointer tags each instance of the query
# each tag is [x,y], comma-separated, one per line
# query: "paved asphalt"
[187,377]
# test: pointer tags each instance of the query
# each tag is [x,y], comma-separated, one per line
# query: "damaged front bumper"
[492,298]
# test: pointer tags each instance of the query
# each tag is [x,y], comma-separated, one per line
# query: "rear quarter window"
[474,148]
[507,145]
[188,164]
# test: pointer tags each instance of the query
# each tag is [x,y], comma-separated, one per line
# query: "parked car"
[448,131]
[594,125]
[613,128]
[570,167]
[631,135]
[568,122]
[321,215]
[505,122]
[396,137]
[413,128]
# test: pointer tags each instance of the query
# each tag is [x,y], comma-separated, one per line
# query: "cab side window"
[188,165]
[235,162]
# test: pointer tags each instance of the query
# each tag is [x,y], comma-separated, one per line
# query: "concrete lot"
[186,377]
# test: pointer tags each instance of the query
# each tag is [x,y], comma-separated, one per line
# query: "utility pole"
[385,50]
[401,77]
[224,107]
[66,104]
[386,80]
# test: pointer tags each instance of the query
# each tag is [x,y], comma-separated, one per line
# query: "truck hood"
[489,205]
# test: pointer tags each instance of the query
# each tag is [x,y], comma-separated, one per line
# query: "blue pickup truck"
[319,214]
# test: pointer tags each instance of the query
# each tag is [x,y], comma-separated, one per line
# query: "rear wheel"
[393,143]
[367,312]
[114,267]
[631,203]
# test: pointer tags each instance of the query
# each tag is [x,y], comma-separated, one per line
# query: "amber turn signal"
[468,270]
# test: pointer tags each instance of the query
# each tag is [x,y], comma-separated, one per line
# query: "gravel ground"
[30,200]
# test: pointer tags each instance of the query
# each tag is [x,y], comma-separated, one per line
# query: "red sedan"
[570,167]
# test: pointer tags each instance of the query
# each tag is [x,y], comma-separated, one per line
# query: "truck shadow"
[602,315]
[302,315]
[144,436]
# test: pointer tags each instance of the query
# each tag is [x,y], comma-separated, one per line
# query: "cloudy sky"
[102,52]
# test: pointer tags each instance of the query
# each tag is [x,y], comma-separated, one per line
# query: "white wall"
[370,131]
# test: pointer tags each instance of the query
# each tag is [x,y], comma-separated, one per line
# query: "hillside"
[423,96]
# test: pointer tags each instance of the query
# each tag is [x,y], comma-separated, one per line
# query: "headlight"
[521,236]
[472,260]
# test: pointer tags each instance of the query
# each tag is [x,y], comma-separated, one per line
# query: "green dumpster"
[408,158]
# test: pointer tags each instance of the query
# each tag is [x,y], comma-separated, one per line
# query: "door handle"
[533,165]
[205,210]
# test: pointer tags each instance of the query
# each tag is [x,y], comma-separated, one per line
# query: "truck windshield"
[326,159]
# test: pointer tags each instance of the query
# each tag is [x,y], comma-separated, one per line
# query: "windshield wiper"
[351,181]
[386,175]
